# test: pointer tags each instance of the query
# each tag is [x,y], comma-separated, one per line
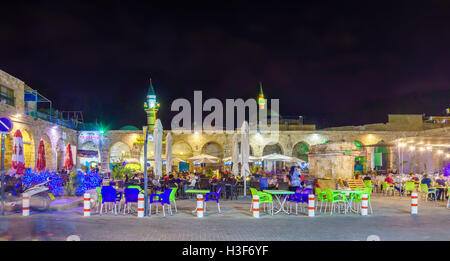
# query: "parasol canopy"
[245,153]
[235,154]
[157,134]
[169,152]
[18,159]
[40,163]
[68,160]
[203,157]
[276,157]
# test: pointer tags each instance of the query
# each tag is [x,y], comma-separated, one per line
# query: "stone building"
[18,102]
[380,145]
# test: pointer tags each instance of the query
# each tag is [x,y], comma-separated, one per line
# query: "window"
[6,95]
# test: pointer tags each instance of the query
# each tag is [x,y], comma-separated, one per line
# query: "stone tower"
[151,106]
[261,99]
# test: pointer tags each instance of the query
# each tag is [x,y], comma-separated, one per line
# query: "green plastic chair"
[358,197]
[99,193]
[321,197]
[263,198]
[335,198]
[172,198]
[425,191]
[409,186]
[388,187]
[368,183]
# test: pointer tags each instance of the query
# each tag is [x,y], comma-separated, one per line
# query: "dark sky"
[335,63]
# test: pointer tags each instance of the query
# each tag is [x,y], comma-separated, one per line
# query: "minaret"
[151,106]
[261,100]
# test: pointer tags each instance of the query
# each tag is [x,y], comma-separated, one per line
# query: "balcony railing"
[53,119]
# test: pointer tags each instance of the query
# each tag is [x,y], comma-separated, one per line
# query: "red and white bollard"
[25,204]
[414,203]
[311,202]
[87,204]
[256,206]
[199,205]
[141,205]
[364,204]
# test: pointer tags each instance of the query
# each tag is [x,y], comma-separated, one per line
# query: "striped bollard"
[199,205]
[25,204]
[414,203]
[256,206]
[140,205]
[311,202]
[87,204]
[364,204]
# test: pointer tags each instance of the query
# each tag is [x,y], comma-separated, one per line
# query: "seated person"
[367,177]
[414,178]
[426,180]
[273,182]
[156,184]
[440,187]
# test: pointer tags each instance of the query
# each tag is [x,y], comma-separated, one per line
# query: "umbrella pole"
[3,174]
[145,175]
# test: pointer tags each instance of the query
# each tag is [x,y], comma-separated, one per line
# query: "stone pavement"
[391,221]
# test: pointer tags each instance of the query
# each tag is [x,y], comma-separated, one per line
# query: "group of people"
[440,182]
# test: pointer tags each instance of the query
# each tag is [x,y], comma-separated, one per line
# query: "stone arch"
[382,156]
[88,146]
[250,149]
[118,151]
[48,151]
[272,147]
[29,148]
[300,150]
[213,148]
[182,150]
[60,154]
[361,161]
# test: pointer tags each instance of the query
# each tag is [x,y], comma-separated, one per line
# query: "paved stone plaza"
[390,221]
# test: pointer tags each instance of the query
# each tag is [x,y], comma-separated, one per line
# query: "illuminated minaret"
[261,100]
[151,106]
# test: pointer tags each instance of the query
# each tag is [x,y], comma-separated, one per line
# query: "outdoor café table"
[198,192]
[277,194]
[350,194]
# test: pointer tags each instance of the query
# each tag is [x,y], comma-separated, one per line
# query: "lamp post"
[145,129]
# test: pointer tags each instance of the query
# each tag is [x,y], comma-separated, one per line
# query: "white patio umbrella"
[202,157]
[206,160]
[235,155]
[157,137]
[168,152]
[276,157]
[245,152]
[296,160]
[250,158]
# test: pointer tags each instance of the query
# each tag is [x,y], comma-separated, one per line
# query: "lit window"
[6,95]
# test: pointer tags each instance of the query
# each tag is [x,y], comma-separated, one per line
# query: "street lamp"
[145,129]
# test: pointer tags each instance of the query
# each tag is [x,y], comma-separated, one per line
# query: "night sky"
[336,63]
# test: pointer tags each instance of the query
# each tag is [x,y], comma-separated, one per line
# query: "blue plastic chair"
[110,195]
[299,197]
[131,196]
[215,197]
[263,183]
[163,199]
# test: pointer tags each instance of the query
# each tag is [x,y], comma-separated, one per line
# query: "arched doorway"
[118,152]
[88,154]
[381,156]
[28,149]
[272,148]
[250,149]
[48,152]
[361,159]
[300,151]
[60,154]
[212,148]
[182,150]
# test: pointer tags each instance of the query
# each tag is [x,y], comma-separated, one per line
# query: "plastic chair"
[425,191]
[213,196]
[368,183]
[263,198]
[163,199]
[299,197]
[321,197]
[388,187]
[263,183]
[110,195]
[409,186]
[172,198]
[335,198]
[131,196]
[358,198]
[99,193]
[136,187]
